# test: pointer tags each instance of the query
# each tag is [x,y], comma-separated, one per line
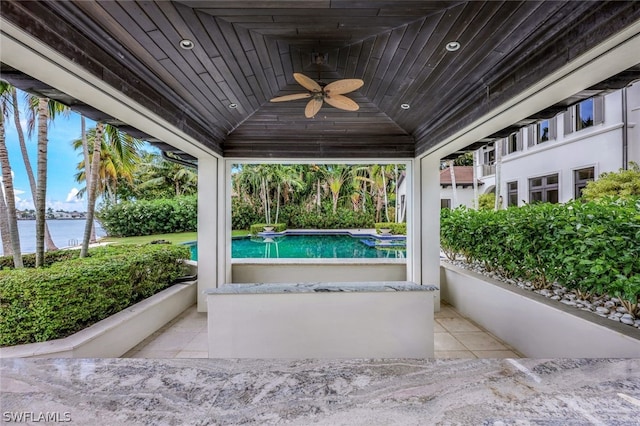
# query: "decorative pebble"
[603,306]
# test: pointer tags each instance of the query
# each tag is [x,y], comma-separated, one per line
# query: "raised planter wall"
[116,335]
[535,326]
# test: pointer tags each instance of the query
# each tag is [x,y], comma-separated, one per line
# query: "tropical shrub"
[243,214]
[487,201]
[620,184]
[148,217]
[591,247]
[53,302]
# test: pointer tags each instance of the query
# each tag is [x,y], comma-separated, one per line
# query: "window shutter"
[519,137]
[568,122]
[531,137]
[598,109]
[553,128]
[505,146]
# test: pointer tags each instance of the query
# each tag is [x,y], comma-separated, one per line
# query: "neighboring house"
[464,187]
[552,160]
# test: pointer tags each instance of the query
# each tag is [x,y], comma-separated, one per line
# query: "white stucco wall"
[464,196]
[599,146]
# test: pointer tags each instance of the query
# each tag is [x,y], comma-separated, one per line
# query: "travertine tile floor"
[454,337]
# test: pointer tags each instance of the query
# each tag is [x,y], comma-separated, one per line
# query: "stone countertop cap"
[347,287]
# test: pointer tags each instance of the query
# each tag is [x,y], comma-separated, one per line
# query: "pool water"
[309,247]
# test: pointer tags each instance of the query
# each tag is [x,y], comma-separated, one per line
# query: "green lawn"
[181,237]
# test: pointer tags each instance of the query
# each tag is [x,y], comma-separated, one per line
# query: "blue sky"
[62,162]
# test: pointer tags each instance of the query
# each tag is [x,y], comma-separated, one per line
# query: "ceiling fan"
[332,93]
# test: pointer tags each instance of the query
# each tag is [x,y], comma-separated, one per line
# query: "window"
[512,193]
[544,189]
[445,203]
[543,131]
[584,114]
[489,156]
[514,142]
[580,179]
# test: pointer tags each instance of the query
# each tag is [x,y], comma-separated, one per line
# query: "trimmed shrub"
[590,247]
[50,257]
[41,304]
[148,217]
[396,228]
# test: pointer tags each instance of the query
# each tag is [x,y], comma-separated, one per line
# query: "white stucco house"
[552,160]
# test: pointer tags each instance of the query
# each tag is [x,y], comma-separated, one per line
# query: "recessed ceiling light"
[186,44]
[405,106]
[452,46]
[233,106]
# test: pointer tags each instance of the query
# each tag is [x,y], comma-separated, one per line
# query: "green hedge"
[148,217]
[41,304]
[396,228]
[50,257]
[591,247]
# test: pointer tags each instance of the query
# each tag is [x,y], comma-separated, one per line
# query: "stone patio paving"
[454,337]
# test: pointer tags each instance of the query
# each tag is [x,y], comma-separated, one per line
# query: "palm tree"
[49,244]
[335,177]
[7,181]
[41,110]
[119,157]
[454,189]
[93,174]
[5,234]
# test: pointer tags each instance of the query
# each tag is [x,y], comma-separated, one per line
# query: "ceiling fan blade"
[341,87]
[342,102]
[307,83]
[313,107]
[293,97]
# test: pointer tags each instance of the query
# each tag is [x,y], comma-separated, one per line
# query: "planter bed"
[114,336]
[533,324]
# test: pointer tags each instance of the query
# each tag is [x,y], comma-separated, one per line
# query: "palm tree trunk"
[7,181]
[87,167]
[92,189]
[386,198]
[41,193]
[277,204]
[49,244]
[5,234]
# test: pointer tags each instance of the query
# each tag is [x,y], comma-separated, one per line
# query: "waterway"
[65,233]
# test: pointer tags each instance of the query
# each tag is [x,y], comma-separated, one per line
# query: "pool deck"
[454,337]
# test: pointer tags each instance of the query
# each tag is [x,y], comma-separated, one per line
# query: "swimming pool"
[309,246]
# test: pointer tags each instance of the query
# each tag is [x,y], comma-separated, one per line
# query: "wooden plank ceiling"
[245,52]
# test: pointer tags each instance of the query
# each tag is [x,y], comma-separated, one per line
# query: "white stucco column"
[208,235]
[426,223]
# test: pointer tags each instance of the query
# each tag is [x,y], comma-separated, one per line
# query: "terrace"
[440,78]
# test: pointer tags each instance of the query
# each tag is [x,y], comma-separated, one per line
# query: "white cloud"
[72,196]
